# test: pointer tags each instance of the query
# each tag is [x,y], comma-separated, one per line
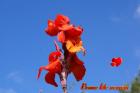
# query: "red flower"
[66,33]
[52,29]
[54,26]
[67,62]
[116,62]
[53,67]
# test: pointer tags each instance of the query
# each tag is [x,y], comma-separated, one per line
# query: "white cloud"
[137,12]
[10,90]
[15,76]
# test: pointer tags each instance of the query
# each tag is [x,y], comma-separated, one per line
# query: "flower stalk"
[63,77]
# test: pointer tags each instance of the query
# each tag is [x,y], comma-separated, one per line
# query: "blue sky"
[111,29]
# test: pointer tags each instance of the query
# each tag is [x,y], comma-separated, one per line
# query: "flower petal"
[117,59]
[54,67]
[48,67]
[113,64]
[54,56]
[74,32]
[61,20]
[74,47]
[66,27]
[76,66]
[52,30]
[61,37]
[40,70]
[78,71]
[76,59]
[50,78]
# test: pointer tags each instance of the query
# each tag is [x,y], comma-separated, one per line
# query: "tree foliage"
[135,85]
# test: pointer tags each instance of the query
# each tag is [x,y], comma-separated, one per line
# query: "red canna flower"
[54,67]
[66,61]
[116,62]
[55,26]
[66,33]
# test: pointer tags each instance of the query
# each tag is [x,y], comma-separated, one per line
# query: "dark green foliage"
[135,86]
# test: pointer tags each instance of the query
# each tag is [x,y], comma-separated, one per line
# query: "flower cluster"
[70,38]
[66,33]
